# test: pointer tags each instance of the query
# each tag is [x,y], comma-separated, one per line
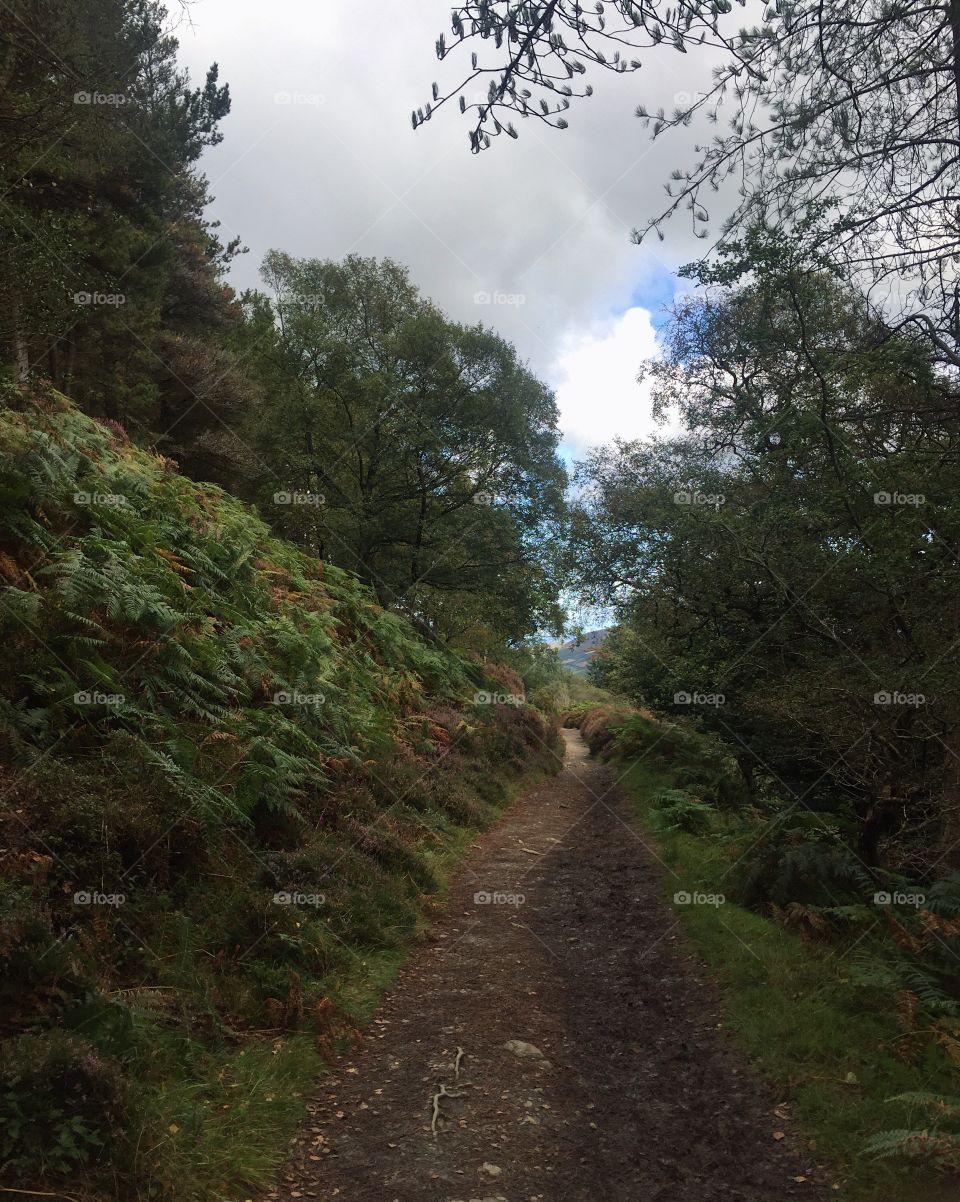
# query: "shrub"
[62,1104]
[676,809]
[600,725]
[799,860]
[573,715]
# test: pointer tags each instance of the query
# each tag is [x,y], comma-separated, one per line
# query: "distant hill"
[576,654]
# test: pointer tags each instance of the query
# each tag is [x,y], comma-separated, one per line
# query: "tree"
[112,278]
[843,125]
[415,451]
[792,562]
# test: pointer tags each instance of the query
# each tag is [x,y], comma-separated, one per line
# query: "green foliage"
[61,1103]
[814,995]
[799,858]
[233,782]
[930,1143]
[112,280]
[232,630]
[797,598]
[677,809]
[223,1121]
[599,725]
[415,451]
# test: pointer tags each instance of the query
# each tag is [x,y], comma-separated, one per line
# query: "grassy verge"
[806,1016]
[211,1114]
[235,1130]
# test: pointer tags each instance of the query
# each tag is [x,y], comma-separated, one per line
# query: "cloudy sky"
[532,236]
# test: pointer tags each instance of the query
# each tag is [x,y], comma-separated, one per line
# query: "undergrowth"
[232,786]
[839,983]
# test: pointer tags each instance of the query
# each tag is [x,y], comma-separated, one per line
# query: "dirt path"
[636,1096]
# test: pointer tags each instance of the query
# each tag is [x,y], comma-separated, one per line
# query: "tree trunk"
[746,765]
[948,851]
[21,357]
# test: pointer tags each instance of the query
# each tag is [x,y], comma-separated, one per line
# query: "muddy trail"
[576,1047]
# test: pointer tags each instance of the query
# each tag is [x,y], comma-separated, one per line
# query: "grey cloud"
[333,166]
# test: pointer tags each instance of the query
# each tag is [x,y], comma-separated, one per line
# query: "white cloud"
[596,381]
[333,167]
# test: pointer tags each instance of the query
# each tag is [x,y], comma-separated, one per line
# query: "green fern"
[677,809]
[930,1143]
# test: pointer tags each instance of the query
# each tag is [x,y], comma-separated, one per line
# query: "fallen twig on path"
[442,1092]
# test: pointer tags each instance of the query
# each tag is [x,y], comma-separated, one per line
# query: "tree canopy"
[111,274]
[839,123]
[419,452]
[792,560]
[432,446]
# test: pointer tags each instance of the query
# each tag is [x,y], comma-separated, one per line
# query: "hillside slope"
[230,785]
[577,654]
